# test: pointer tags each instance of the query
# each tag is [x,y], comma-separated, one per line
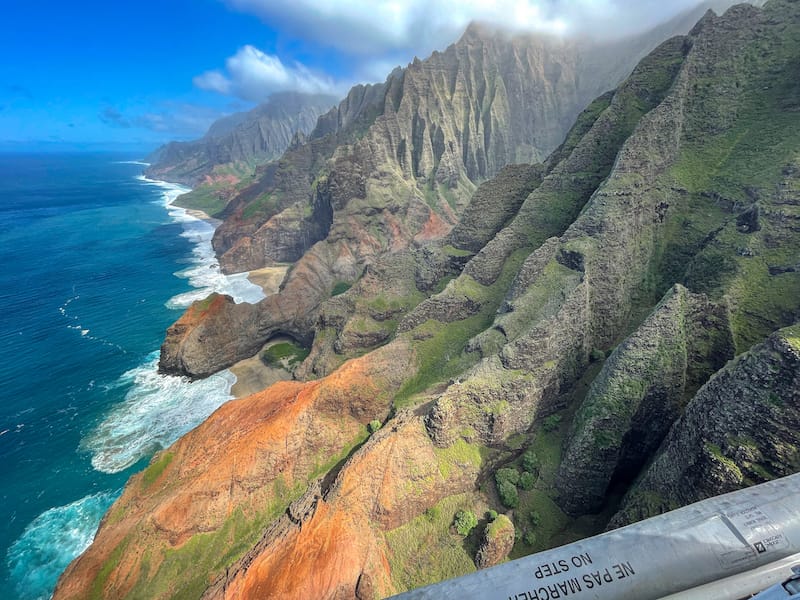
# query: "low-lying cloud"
[178,119]
[370,27]
[253,75]
[372,36]
[111,116]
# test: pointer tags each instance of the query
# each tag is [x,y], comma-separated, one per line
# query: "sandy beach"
[268,278]
[252,376]
[199,214]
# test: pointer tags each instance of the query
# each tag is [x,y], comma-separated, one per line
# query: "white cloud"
[178,119]
[370,37]
[364,27]
[213,81]
[253,75]
[369,27]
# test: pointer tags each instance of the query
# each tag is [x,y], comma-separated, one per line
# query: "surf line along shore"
[252,374]
[267,278]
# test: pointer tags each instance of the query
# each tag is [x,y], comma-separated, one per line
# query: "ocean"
[96,264]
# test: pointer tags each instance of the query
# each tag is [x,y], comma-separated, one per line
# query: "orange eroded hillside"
[205,500]
[332,546]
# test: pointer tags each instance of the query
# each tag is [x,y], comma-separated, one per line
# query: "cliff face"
[395,165]
[641,391]
[570,334]
[417,145]
[740,429]
[172,530]
[431,132]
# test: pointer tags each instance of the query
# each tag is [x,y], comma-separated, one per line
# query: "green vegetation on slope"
[288,354]
[735,217]
[212,195]
[156,468]
[184,572]
[440,346]
[792,335]
[582,125]
[263,206]
[425,550]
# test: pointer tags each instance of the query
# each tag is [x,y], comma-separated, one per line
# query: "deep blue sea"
[94,266]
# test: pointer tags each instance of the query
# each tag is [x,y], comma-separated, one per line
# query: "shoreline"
[199,214]
[250,375]
[130,410]
[205,276]
[184,189]
[266,278]
[124,434]
[253,376]
[269,279]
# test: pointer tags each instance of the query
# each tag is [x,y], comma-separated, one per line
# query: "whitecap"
[63,309]
[204,273]
[157,410]
[51,541]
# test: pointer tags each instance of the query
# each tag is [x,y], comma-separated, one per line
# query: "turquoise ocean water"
[95,266]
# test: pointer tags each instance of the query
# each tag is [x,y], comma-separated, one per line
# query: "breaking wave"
[51,541]
[204,273]
[157,410]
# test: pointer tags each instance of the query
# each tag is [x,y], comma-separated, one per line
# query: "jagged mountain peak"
[436,129]
[279,106]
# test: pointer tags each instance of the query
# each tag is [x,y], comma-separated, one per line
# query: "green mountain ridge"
[393,167]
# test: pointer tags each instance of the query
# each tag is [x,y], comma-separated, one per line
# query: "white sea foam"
[157,410]
[204,273]
[64,311]
[51,542]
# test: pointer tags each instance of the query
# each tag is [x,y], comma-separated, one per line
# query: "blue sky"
[88,73]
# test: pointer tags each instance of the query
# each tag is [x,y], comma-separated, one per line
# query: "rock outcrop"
[740,429]
[641,391]
[496,543]
[218,316]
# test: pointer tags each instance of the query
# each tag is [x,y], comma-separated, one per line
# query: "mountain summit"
[392,167]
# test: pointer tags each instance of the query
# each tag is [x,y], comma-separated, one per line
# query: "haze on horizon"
[132,76]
